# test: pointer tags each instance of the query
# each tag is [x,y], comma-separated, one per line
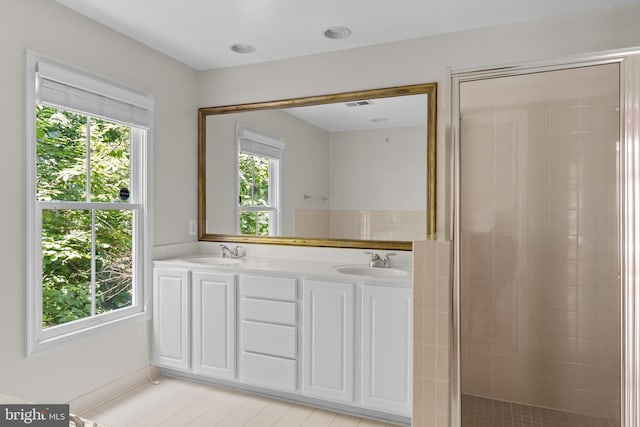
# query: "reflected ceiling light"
[337,33]
[243,48]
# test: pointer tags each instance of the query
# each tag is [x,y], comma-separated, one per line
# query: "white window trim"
[242,132]
[39,339]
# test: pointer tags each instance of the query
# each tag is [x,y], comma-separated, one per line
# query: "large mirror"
[353,170]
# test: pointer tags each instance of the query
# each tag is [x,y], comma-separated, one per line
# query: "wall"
[540,298]
[44,26]
[423,60]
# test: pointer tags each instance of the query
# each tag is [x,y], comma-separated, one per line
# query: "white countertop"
[300,268]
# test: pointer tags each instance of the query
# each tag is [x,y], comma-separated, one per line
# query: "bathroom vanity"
[334,336]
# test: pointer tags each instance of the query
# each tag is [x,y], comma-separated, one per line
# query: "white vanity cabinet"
[171,307]
[318,338]
[269,331]
[194,321]
[213,330]
[386,349]
[328,313]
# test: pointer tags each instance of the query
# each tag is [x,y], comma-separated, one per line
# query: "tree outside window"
[86,251]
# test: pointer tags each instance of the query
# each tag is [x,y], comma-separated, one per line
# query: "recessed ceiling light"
[337,33]
[243,48]
[379,120]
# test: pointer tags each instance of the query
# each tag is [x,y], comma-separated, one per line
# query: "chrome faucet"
[379,261]
[231,253]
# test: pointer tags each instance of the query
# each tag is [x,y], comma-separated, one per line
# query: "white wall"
[44,26]
[423,60]
[380,169]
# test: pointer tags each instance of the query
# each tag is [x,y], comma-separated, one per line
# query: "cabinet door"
[328,340]
[171,318]
[214,329]
[386,349]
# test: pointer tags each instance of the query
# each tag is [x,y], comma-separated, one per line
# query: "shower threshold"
[482,412]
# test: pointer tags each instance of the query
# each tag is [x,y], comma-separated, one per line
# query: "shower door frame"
[628,201]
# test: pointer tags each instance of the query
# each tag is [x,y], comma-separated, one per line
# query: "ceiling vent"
[358,103]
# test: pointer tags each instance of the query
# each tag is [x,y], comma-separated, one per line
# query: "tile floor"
[481,412]
[175,403]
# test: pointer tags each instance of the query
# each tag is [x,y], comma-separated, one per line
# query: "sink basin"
[213,260]
[360,270]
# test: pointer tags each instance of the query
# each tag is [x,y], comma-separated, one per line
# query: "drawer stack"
[269,331]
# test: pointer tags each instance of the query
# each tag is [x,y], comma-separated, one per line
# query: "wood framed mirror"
[348,170]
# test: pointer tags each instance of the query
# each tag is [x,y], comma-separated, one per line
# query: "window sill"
[40,346]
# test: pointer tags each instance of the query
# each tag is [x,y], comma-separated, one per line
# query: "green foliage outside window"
[254,192]
[67,240]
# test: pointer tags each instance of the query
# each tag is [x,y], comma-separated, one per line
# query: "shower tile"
[535,118]
[563,247]
[563,116]
[561,349]
[563,172]
[587,326]
[506,367]
[479,339]
[563,221]
[504,319]
[506,343]
[480,221]
[506,197]
[562,272]
[560,322]
[505,295]
[563,146]
[443,295]
[563,197]
[588,300]
[561,297]
[593,144]
[443,397]
[594,116]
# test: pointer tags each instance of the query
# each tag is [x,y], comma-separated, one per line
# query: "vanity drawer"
[269,311]
[268,287]
[269,371]
[264,338]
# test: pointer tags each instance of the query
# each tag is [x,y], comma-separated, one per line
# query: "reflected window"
[259,171]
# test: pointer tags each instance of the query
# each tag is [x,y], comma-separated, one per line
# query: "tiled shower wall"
[540,295]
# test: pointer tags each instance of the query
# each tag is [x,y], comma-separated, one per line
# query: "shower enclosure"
[539,293]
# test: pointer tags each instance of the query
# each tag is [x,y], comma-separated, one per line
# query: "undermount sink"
[213,260]
[365,271]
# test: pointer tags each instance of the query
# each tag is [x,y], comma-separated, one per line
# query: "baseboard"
[102,395]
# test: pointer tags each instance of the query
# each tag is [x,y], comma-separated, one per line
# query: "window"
[259,164]
[87,149]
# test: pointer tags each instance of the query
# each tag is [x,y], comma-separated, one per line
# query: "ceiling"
[378,113]
[199,33]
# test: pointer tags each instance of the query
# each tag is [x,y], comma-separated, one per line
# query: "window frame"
[275,176]
[39,338]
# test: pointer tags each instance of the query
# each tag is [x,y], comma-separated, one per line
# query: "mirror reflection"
[332,172]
